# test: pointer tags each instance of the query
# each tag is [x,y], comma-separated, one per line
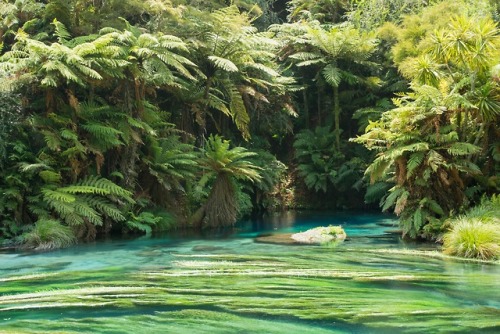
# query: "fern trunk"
[336,115]
[318,102]
[221,205]
[196,218]
[201,119]
[306,108]
[128,165]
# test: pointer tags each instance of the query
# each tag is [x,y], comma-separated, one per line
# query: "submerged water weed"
[472,238]
[49,234]
[334,230]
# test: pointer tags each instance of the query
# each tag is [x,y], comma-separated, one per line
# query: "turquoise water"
[374,282]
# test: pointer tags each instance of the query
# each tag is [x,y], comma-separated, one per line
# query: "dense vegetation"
[136,116]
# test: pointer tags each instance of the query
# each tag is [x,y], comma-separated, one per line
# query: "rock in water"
[320,235]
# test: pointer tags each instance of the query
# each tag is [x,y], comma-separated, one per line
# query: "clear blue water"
[374,282]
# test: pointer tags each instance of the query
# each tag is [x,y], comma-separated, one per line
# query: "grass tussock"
[477,233]
[49,234]
[473,239]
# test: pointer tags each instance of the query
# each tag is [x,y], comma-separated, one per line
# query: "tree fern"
[105,207]
[227,165]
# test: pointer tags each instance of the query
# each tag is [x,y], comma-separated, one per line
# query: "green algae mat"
[372,283]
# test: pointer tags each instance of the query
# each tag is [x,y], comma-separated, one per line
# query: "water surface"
[374,282]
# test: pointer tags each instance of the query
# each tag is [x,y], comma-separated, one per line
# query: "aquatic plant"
[49,234]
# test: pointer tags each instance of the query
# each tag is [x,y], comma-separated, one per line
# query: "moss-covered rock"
[320,235]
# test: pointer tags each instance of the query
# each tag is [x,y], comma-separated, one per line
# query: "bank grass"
[475,234]
[49,234]
[471,238]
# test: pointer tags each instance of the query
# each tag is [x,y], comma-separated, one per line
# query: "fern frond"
[107,186]
[239,113]
[88,213]
[61,32]
[463,149]
[53,196]
[52,140]
[391,199]
[105,207]
[50,176]
[332,74]
[223,64]
[414,162]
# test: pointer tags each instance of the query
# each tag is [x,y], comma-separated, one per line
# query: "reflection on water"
[225,282]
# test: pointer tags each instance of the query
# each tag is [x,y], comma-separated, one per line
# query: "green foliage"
[101,103]
[326,11]
[430,144]
[244,203]
[144,222]
[265,192]
[238,72]
[49,234]
[172,162]
[424,163]
[271,170]
[370,14]
[9,119]
[376,191]
[318,159]
[90,200]
[339,54]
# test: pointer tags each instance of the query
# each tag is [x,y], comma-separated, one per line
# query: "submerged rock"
[207,248]
[320,235]
[280,239]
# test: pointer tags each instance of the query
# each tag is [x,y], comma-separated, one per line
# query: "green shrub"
[472,238]
[49,234]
